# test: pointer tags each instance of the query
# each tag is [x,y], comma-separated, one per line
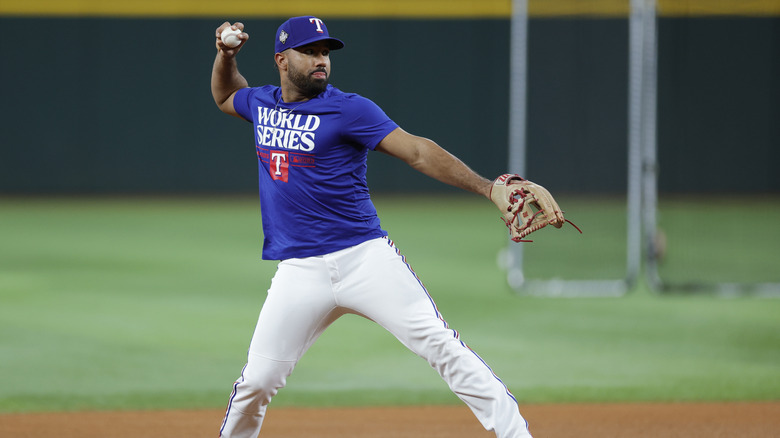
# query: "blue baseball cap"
[299,31]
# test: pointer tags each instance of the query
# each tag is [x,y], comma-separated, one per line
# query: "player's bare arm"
[225,78]
[426,156]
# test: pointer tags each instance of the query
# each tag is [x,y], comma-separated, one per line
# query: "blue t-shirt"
[312,163]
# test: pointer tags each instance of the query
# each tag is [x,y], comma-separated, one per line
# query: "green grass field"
[147,303]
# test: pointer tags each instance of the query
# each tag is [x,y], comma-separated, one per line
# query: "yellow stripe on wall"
[667,8]
[262,8]
[376,8]
[719,7]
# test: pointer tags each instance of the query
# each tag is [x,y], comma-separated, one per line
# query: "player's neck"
[290,96]
[292,93]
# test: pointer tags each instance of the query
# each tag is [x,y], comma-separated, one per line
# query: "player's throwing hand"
[240,36]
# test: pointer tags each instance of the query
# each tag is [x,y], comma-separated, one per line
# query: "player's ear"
[281,61]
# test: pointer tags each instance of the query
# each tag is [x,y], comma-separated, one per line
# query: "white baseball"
[230,37]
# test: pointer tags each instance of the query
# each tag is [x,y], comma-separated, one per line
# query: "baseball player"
[312,142]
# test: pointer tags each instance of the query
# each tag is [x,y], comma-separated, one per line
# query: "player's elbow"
[422,154]
[223,106]
[224,102]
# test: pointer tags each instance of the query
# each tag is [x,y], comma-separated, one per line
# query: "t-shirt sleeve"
[364,122]
[241,103]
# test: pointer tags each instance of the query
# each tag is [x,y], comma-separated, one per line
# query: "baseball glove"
[527,207]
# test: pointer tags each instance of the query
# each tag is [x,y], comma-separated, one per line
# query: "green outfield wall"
[105,99]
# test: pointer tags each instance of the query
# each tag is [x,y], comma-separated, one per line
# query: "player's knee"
[263,378]
[439,346]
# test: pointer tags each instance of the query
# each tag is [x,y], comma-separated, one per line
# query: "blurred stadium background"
[117,173]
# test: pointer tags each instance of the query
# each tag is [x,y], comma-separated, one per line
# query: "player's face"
[308,67]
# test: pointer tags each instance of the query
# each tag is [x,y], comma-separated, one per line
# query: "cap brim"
[335,43]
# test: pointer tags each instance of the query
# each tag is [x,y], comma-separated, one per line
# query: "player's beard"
[308,85]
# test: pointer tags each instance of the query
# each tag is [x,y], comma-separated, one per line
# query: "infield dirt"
[634,420]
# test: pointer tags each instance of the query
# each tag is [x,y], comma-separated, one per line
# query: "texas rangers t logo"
[279,166]
[318,22]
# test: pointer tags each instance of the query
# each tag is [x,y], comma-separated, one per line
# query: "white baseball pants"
[372,280]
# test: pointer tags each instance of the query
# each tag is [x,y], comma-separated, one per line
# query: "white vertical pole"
[636,79]
[517,118]
[649,140]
